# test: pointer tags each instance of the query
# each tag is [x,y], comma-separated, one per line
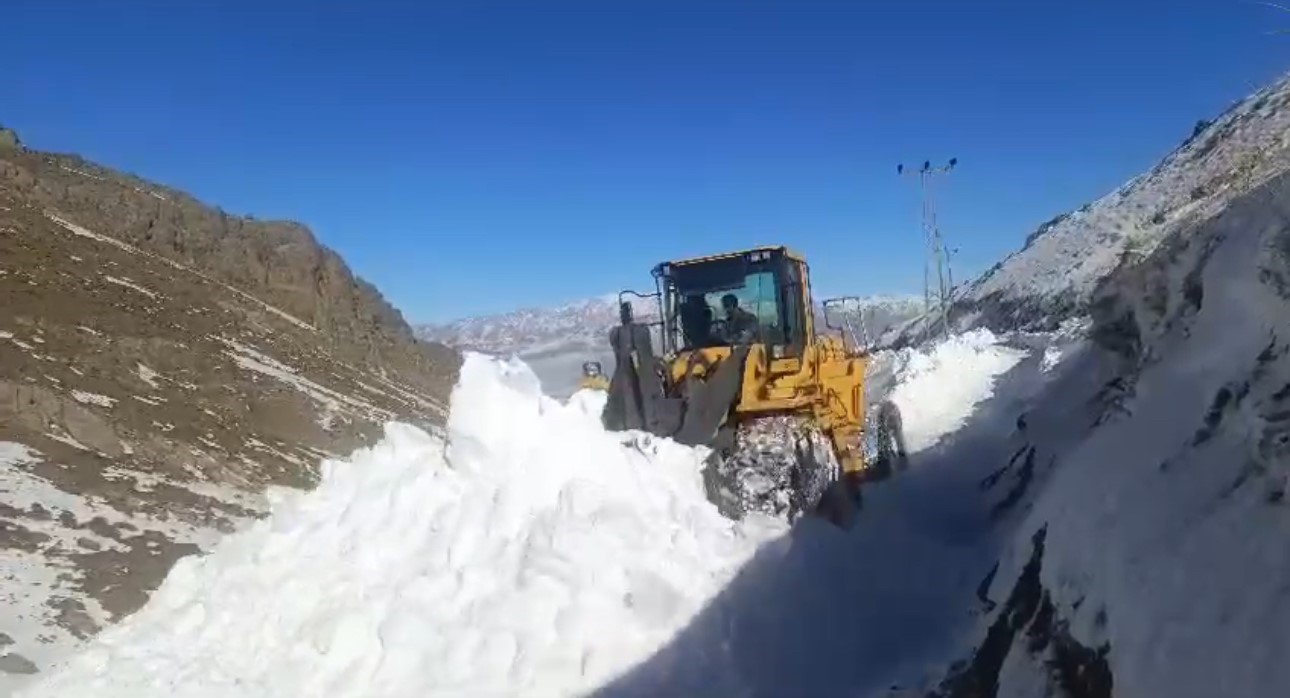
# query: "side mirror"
[625,313]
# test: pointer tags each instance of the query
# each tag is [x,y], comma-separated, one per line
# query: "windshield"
[724,302]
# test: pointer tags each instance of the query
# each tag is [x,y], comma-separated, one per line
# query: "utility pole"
[937,255]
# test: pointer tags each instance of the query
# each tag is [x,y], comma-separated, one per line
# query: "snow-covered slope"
[1052,278]
[1152,515]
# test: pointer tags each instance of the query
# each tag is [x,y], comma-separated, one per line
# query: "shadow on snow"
[822,612]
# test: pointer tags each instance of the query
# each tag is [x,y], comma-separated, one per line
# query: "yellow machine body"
[824,383]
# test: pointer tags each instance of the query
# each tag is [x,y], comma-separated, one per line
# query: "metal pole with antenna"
[936,253]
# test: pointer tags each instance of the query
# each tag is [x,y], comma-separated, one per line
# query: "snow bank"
[528,552]
[937,389]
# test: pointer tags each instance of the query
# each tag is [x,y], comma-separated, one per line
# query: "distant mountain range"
[585,325]
[556,341]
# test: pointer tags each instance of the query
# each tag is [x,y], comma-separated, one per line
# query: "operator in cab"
[741,325]
[696,322]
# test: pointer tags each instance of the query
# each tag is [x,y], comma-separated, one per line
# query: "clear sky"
[475,156]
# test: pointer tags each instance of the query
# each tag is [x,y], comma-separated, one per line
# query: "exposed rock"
[16,664]
[9,139]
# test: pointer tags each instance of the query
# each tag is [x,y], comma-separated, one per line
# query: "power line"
[936,256]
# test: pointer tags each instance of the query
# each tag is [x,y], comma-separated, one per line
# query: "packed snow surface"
[937,390]
[528,552]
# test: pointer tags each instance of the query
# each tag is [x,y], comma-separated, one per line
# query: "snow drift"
[527,552]
[937,389]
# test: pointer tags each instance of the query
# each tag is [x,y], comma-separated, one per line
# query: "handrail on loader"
[860,345]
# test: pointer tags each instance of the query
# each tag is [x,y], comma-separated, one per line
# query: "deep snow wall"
[525,552]
[1148,499]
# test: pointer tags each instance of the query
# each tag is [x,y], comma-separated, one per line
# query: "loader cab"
[769,284]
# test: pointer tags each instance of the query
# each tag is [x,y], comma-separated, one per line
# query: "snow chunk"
[83,173]
[275,310]
[58,434]
[87,398]
[937,389]
[147,375]
[528,553]
[331,401]
[12,454]
[86,233]
[130,285]
[1052,356]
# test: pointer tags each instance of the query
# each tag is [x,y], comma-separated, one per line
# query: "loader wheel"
[780,466]
[887,432]
[840,503]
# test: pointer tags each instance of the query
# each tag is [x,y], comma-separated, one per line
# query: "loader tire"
[888,434]
[840,503]
[781,466]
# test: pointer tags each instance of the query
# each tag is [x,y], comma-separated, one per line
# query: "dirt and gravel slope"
[162,363]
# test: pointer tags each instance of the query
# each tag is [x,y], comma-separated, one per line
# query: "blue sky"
[472,157]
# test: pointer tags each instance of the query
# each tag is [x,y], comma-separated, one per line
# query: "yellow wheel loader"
[745,370]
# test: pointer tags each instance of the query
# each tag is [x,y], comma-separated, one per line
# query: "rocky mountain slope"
[1141,503]
[162,365]
[1055,275]
[1146,495]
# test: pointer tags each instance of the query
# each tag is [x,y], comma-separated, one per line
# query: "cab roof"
[780,249]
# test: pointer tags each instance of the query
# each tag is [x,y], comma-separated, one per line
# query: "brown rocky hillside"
[162,364]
